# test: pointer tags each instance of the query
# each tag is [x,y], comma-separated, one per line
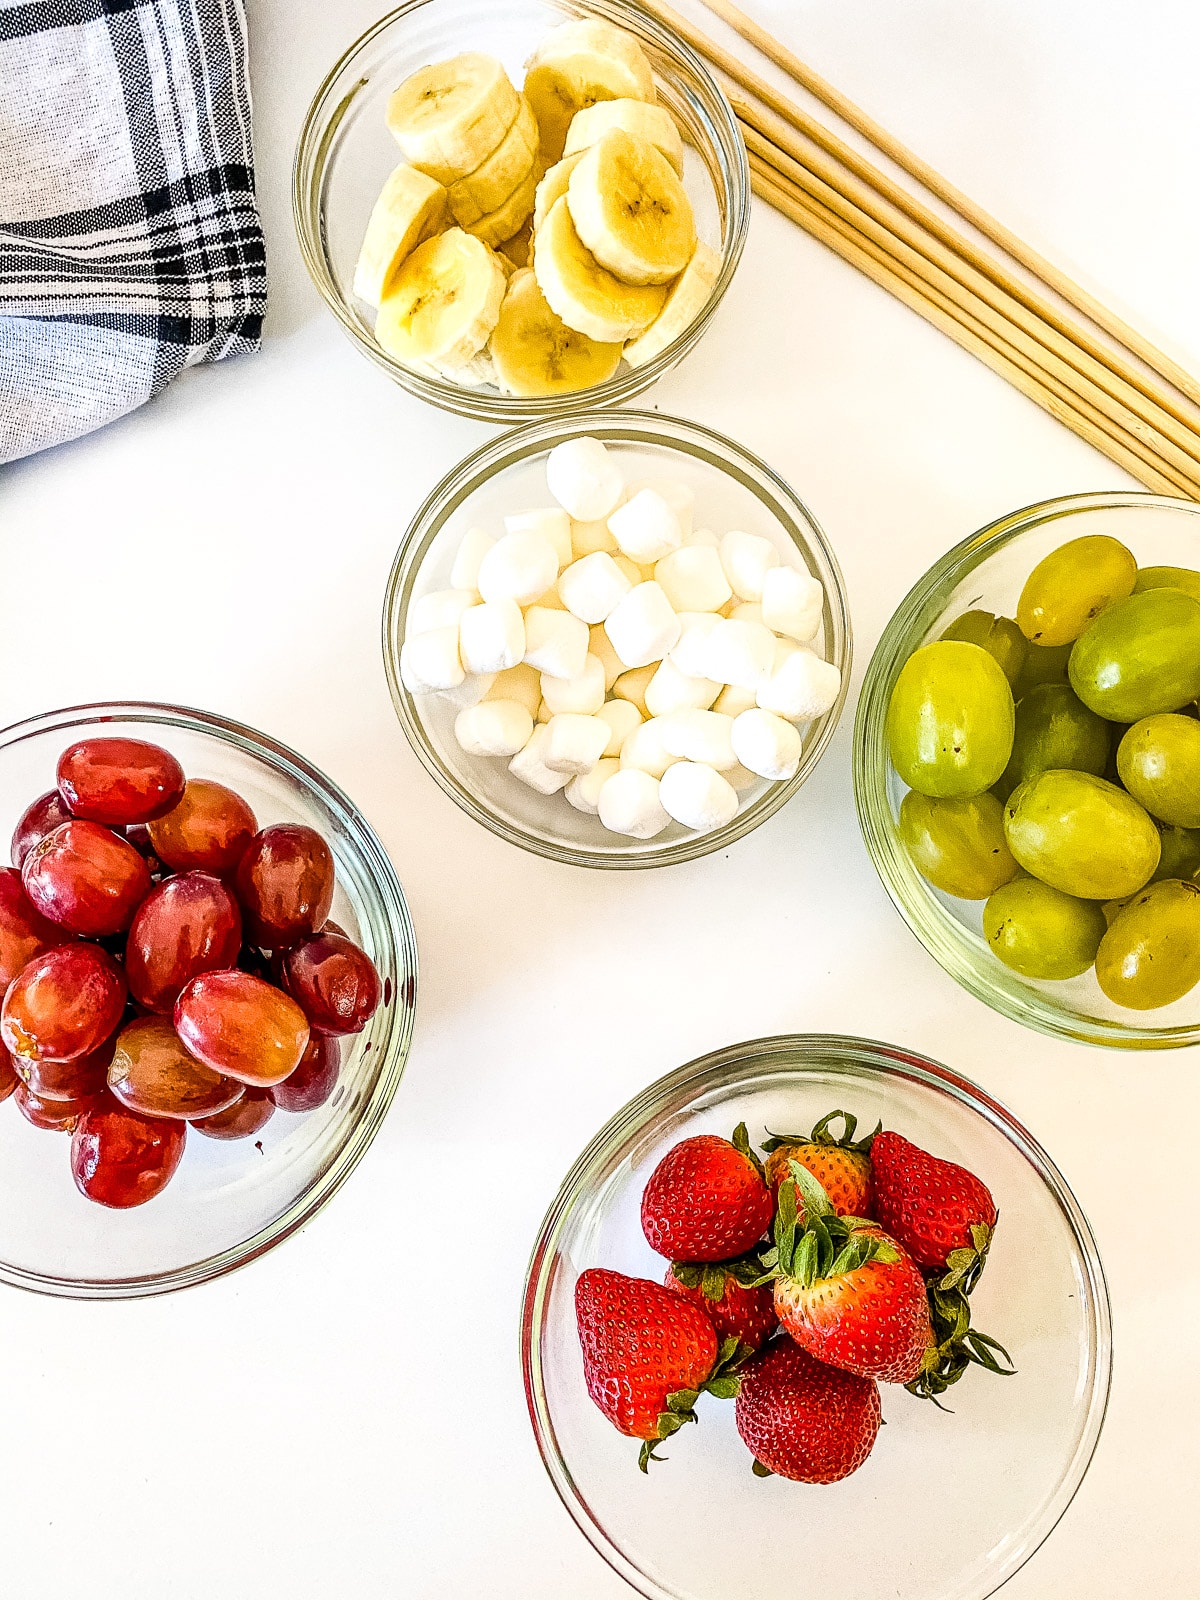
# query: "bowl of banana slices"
[525,209]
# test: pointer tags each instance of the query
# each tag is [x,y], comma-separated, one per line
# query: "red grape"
[119,781]
[120,1159]
[153,1074]
[241,1027]
[65,1003]
[252,1112]
[333,981]
[77,1079]
[188,925]
[314,1080]
[8,1075]
[52,1116]
[208,830]
[86,878]
[24,931]
[45,814]
[285,882]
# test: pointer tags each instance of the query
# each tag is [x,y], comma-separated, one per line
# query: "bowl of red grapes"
[208,976]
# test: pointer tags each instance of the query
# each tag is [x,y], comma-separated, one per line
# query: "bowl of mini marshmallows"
[617,641]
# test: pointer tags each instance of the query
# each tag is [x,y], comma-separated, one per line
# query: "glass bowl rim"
[873,1057]
[991,982]
[394,1047]
[320,125]
[624,426]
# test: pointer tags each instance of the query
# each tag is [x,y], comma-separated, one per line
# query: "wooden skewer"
[892,233]
[824,227]
[945,191]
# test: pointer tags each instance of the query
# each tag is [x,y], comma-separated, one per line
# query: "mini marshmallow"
[552,523]
[800,686]
[622,717]
[677,495]
[671,690]
[688,650]
[646,527]
[600,646]
[739,652]
[628,803]
[632,686]
[643,626]
[733,700]
[476,686]
[693,579]
[584,478]
[519,683]
[747,611]
[574,743]
[630,568]
[528,766]
[551,600]
[584,791]
[704,736]
[703,539]
[431,661]
[494,728]
[492,636]
[644,749]
[555,642]
[464,574]
[766,744]
[584,694]
[589,537]
[697,797]
[519,567]
[544,712]
[746,559]
[793,603]
[443,608]
[591,588]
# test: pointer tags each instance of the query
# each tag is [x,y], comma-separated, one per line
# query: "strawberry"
[647,1355]
[936,1209]
[841,1166]
[738,1306]
[802,1419]
[706,1200]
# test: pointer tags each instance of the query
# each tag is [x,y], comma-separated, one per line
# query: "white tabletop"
[335,1422]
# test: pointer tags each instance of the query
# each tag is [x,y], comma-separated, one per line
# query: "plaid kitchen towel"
[130,245]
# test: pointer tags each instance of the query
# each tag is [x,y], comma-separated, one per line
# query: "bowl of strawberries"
[767,1256]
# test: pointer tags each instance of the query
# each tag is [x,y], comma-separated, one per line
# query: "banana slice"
[443,303]
[688,297]
[654,124]
[516,210]
[448,118]
[510,163]
[534,352]
[580,291]
[553,186]
[517,250]
[631,211]
[411,207]
[577,64]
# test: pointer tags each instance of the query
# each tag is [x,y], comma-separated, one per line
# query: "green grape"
[1180,854]
[1055,730]
[950,721]
[1112,909]
[1043,666]
[1139,657]
[1159,763]
[1150,956]
[1041,932]
[1168,578]
[999,636]
[1072,585]
[957,845]
[1082,835]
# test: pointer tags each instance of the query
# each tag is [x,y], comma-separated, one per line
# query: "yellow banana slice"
[510,163]
[631,211]
[688,297]
[654,124]
[577,64]
[442,305]
[535,353]
[580,291]
[411,207]
[518,249]
[553,186]
[516,210]
[448,118]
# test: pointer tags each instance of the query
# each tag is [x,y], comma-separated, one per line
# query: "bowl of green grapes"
[1027,767]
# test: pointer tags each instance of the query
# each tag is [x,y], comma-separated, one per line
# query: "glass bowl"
[733,489]
[229,1202]
[948,1506]
[988,571]
[345,153]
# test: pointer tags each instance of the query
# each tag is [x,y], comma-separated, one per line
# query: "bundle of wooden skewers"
[987,289]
